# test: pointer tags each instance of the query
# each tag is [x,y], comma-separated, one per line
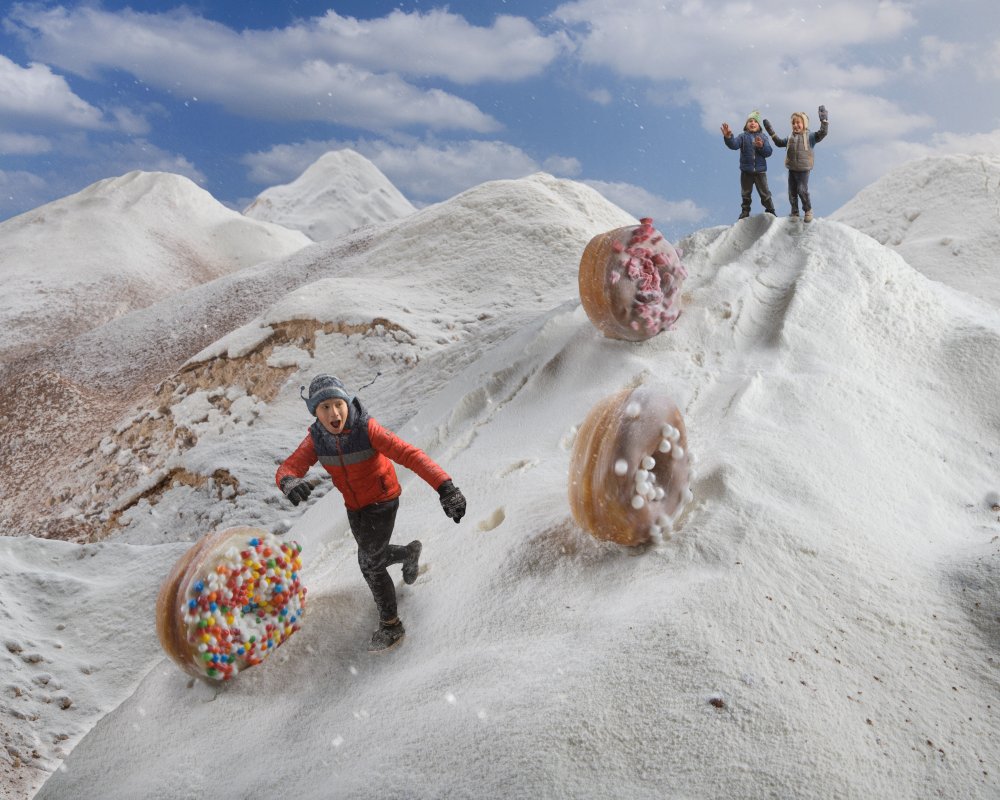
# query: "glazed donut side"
[170,626]
[229,601]
[630,469]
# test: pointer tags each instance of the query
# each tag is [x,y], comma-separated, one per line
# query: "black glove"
[452,500]
[767,127]
[296,489]
[823,116]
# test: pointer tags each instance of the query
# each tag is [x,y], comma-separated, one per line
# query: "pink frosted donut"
[230,601]
[630,282]
[630,469]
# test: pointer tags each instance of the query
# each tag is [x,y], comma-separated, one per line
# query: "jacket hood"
[804,116]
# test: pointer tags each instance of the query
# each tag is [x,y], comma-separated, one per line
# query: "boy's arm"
[733,142]
[298,463]
[413,458]
[766,149]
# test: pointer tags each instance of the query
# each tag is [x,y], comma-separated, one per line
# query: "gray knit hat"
[324,387]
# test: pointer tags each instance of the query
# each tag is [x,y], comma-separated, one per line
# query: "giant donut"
[230,601]
[630,471]
[630,282]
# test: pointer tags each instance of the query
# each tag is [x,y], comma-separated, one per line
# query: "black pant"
[798,186]
[747,182]
[372,529]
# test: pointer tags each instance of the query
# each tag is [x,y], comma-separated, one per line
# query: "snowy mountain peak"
[342,190]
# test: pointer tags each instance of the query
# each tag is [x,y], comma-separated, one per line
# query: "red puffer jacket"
[358,461]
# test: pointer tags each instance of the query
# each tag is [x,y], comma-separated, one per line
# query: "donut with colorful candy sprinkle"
[230,601]
[630,282]
[630,470]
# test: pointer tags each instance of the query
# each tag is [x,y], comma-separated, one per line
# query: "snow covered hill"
[822,623]
[942,214]
[118,245]
[341,191]
[350,292]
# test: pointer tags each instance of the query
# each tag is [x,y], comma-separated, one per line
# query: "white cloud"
[436,43]
[600,96]
[731,57]
[24,144]
[939,54]
[305,72]
[989,66]
[643,203]
[666,41]
[852,116]
[563,166]
[130,122]
[35,94]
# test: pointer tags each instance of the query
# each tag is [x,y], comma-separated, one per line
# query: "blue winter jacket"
[751,158]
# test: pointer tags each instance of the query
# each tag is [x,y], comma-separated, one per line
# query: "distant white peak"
[118,245]
[137,187]
[341,191]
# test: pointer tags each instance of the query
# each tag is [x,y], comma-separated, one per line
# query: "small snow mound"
[338,193]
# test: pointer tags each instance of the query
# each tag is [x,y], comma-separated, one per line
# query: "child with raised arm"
[754,150]
[799,157]
[356,451]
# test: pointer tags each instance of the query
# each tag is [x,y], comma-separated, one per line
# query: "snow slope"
[340,191]
[823,623]
[942,214]
[118,245]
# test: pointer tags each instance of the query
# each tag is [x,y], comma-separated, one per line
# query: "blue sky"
[626,95]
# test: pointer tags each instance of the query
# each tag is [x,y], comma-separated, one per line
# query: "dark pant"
[798,186]
[747,182]
[372,529]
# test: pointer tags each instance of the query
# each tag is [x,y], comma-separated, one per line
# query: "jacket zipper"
[343,466]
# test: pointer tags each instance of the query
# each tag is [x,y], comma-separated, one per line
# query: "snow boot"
[744,214]
[412,563]
[808,217]
[388,635]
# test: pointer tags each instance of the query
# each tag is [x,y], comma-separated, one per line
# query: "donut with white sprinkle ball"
[630,470]
[230,601]
[630,282]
